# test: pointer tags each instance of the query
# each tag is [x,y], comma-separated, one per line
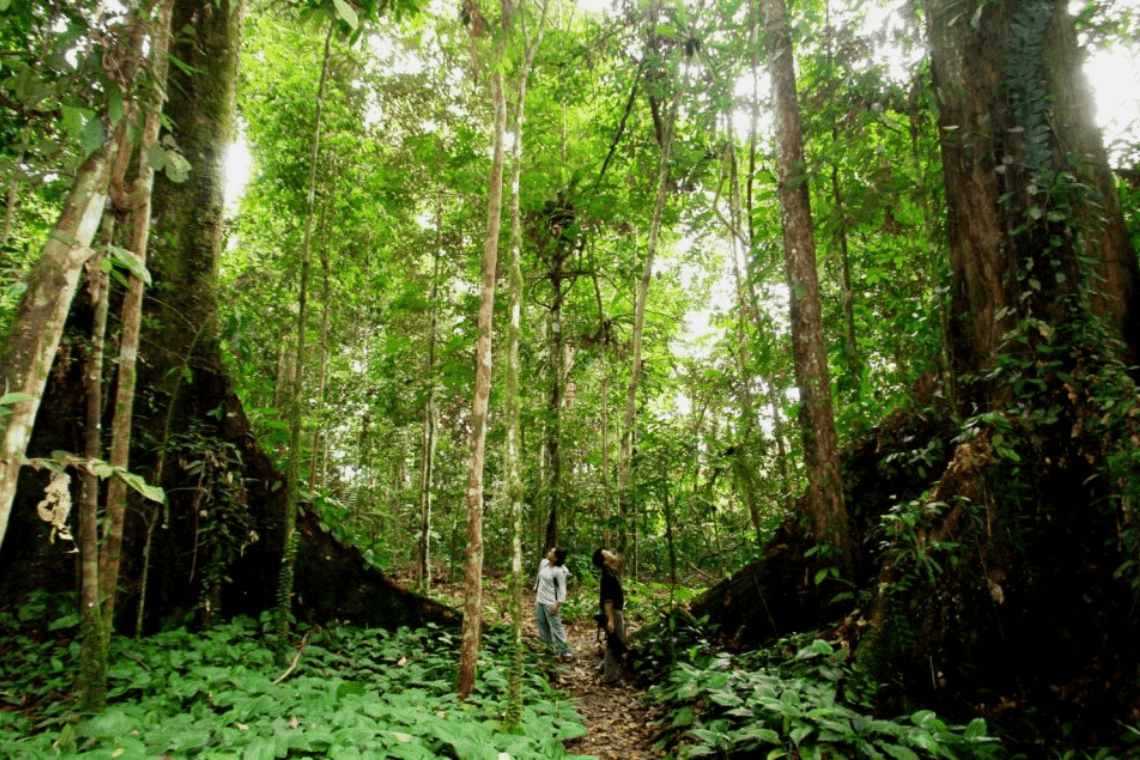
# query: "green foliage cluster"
[807,702]
[354,693]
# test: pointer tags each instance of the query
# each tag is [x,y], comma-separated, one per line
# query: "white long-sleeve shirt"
[551,583]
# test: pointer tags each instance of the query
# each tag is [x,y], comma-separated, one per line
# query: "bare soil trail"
[622,724]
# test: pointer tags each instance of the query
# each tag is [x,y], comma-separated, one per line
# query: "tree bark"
[37,326]
[92,680]
[991,172]
[512,460]
[827,512]
[121,424]
[431,419]
[473,585]
[322,376]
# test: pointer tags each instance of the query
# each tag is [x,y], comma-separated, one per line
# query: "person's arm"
[560,585]
[609,615]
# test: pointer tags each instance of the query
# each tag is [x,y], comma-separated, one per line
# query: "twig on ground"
[138,659]
[296,659]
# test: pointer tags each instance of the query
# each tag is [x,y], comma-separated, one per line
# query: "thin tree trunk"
[289,545]
[512,465]
[607,534]
[37,325]
[851,344]
[827,512]
[742,456]
[932,242]
[554,405]
[93,658]
[625,457]
[473,586]
[326,308]
[141,188]
[431,418]
[749,209]
[851,347]
[284,372]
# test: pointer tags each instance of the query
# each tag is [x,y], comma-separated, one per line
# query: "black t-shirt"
[611,589]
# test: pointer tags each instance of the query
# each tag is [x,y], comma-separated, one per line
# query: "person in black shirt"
[611,600]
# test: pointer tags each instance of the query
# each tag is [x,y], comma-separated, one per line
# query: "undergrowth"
[354,693]
[798,699]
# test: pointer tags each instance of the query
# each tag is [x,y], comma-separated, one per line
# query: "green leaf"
[129,261]
[349,687]
[109,725]
[136,482]
[819,646]
[92,137]
[261,749]
[346,13]
[73,119]
[114,105]
[14,398]
[899,752]
[684,717]
[976,729]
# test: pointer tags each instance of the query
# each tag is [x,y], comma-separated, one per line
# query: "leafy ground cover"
[799,699]
[214,695]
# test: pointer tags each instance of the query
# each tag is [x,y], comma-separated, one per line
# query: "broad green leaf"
[136,482]
[976,729]
[114,105]
[129,261]
[92,136]
[900,752]
[346,13]
[74,119]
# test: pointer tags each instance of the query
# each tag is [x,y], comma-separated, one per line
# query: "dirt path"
[621,723]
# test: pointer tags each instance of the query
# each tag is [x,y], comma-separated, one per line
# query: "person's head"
[556,555]
[604,558]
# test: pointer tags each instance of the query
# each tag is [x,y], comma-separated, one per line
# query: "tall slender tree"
[827,511]
[512,461]
[625,455]
[473,584]
[296,412]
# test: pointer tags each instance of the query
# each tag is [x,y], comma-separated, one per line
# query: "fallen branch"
[296,659]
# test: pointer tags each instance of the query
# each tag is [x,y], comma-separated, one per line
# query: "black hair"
[599,560]
[560,553]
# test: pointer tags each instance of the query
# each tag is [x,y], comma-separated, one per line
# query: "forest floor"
[621,723]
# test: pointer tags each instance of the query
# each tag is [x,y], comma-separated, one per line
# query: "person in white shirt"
[550,594]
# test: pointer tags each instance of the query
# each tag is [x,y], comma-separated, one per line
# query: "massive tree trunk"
[218,537]
[1006,153]
[1027,535]
[826,509]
